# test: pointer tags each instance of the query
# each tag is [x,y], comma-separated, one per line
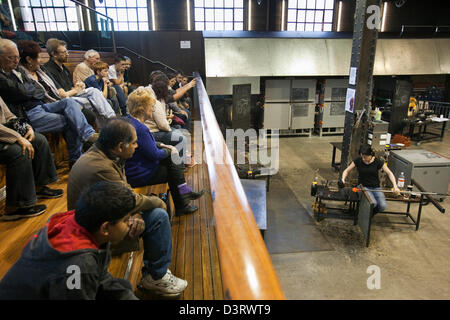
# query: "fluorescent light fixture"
[339,16]
[188,8]
[153,15]
[249,14]
[385,4]
[88,15]
[13,19]
[282,16]
[80,17]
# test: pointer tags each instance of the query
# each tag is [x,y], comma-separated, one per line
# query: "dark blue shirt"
[92,82]
[145,161]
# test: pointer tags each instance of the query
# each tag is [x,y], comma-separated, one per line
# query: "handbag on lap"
[19,125]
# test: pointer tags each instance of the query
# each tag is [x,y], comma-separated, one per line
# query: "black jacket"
[61,77]
[20,95]
[74,267]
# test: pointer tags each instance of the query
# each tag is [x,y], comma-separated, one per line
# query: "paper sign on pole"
[350,100]
[352,79]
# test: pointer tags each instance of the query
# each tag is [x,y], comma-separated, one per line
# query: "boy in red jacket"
[69,257]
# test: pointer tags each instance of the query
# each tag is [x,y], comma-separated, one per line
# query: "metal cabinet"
[290,104]
[429,169]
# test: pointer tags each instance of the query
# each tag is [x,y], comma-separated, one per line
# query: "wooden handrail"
[247,271]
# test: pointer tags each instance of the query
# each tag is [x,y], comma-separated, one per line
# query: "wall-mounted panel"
[234,57]
[277,116]
[278,90]
[408,56]
[224,85]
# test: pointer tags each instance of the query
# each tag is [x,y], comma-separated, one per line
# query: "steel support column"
[362,58]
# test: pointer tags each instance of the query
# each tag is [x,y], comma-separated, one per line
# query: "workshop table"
[255,190]
[366,205]
[422,133]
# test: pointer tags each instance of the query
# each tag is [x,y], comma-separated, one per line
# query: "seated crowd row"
[143,140]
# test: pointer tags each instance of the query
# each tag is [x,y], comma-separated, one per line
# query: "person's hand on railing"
[192,83]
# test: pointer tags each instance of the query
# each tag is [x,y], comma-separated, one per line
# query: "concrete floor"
[413,264]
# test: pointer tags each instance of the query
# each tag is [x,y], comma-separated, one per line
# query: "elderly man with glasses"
[26,99]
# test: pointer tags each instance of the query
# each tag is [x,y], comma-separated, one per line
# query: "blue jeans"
[92,99]
[63,116]
[157,238]
[378,198]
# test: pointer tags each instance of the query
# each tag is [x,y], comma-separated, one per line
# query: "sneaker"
[47,193]
[25,212]
[169,285]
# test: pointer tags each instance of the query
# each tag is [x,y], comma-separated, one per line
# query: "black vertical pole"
[362,58]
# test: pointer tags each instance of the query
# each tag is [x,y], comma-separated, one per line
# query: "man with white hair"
[25,99]
[84,69]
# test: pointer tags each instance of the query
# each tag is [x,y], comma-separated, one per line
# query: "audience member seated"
[29,167]
[30,62]
[75,243]
[115,75]
[180,92]
[184,81]
[126,75]
[85,68]
[177,107]
[89,98]
[105,162]
[171,105]
[155,163]
[159,124]
[25,98]
[187,97]
[98,81]
[179,77]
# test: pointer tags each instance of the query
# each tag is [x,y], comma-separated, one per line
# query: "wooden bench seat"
[195,256]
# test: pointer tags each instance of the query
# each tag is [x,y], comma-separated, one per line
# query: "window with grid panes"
[128,15]
[219,14]
[49,15]
[310,15]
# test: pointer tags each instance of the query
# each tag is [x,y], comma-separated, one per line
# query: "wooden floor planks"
[14,235]
[194,254]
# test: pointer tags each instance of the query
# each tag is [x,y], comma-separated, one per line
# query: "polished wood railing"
[246,268]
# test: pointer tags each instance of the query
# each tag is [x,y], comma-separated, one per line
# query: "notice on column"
[350,100]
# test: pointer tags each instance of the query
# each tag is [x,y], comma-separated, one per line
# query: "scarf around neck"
[47,80]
